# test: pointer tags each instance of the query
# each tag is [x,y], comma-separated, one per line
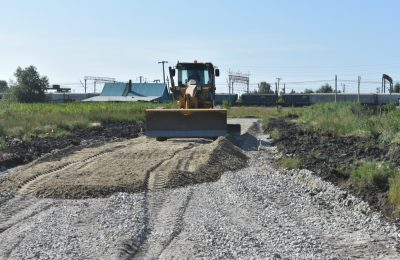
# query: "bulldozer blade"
[171,123]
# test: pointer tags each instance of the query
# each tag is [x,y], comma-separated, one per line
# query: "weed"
[3,144]
[394,192]
[276,135]
[226,104]
[373,173]
[289,163]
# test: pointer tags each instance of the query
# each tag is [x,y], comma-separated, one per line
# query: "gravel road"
[258,212]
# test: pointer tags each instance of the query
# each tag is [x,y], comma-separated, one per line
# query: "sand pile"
[129,166]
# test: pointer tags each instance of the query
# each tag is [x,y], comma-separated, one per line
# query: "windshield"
[201,76]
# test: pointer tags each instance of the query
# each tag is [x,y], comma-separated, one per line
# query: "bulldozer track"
[16,210]
[30,185]
[155,182]
[176,221]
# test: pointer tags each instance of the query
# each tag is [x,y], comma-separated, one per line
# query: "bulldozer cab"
[203,73]
[202,76]
[195,79]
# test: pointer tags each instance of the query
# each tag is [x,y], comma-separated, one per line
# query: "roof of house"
[114,89]
[148,89]
[138,89]
[121,98]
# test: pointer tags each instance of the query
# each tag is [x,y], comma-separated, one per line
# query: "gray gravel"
[255,213]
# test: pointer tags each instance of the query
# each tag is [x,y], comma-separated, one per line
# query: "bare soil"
[331,157]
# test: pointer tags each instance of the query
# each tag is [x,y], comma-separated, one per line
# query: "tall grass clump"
[289,163]
[373,173]
[394,192]
[3,143]
[330,117]
[275,135]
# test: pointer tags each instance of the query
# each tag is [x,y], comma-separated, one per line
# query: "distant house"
[152,92]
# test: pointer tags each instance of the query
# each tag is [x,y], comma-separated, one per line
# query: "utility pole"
[335,88]
[85,85]
[229,82]
[276,88]
[284,88]
[140,79]
[359,82]
[278,79]
[163,69]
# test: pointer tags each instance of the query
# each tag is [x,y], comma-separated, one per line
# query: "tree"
[308,91]
[292,92]
[3,86]
[397,88]
[30,86]
[325,89]
[264,88]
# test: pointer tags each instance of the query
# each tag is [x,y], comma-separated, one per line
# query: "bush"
[373,173]
[289,163]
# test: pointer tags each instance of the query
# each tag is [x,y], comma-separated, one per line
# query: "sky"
[304,42]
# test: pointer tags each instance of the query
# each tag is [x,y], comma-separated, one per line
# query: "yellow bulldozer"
[196,116]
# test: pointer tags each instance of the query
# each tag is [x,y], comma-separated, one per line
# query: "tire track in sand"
[29,185]
[156,180]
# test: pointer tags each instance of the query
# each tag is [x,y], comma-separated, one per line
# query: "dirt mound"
[212,160]
[129,166]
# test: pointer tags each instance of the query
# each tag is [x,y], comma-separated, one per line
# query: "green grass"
[289,163]
[263,113]
[383,175]
[275,135]
[27,120]
[394,192]
[350,119]
[2,143]
[226,104]
[373,173]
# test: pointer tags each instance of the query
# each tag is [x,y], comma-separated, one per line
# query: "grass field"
[350,119]
[26,120]
[264,113]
